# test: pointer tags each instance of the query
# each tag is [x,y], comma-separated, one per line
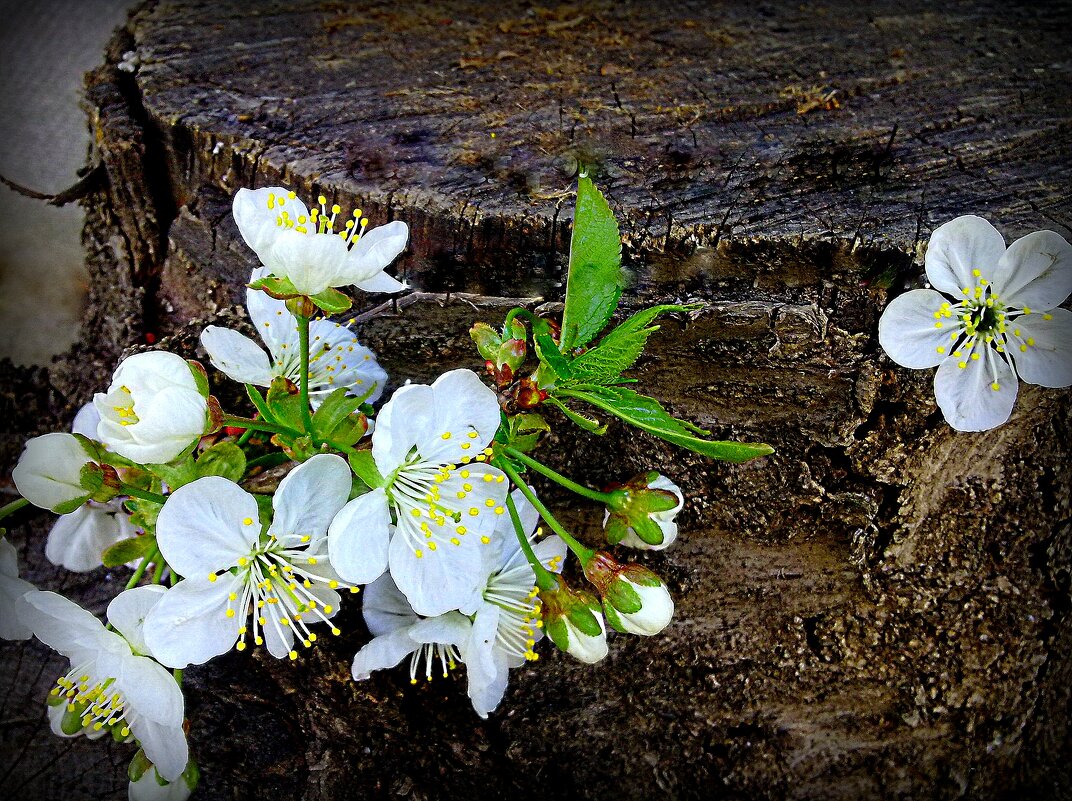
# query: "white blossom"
[991,317]
[336,358]
[240,583]
[153,409]
[147,788]
[440,500]
[314,248]
[112,685]
[49,472]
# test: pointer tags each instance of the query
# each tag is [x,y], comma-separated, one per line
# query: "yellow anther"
[466,446]
[230,613]
[455,541]
[293,655]
[432,546]
[1047,316]
[212,577]
[473,511]
[490,502]
[464,474]
[473,435]
[336,632]
[461,530]
[962,365]
[446,435]
[1023,349]
[419,554]
[242,561]
[976,273]
[941,348]
[1031,341]
[321,200]
[499,510]
[248,521]
[258,641]
[975,357]
[995,386]
[333,584]
[241,646]
[485,539]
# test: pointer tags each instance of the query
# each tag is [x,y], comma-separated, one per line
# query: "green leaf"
[583,421]
[222,459]
[332,301]
[648,415]
[549,354]
[128,550]
[364,467]
[143,513]
[278,288]
[595,279]
[197,370]
[523,431]
[613,620]
[621,347]
[260,403]
[334,410]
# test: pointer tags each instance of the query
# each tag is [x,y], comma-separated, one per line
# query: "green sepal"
[176,473]
[647,529]
[338,418]
[67,507]
[621,595]
[283,405]
[332,301]
[595,279]
[278,288]
[615,530]
[300,448]
[644,577]
[192,775]
[222,459]
[621,347]
[613,620]
[128,550]
[522,431]
[589,424]
[649,415]
[559,633]
[71,724]
[138,765]
[259,403]
[116,730]
[585,620]
[197,370]
[91,477]
[364,467]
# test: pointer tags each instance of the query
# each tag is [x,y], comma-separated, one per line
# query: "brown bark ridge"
[879,610]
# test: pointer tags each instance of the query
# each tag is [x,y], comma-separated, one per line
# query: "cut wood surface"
[878,610]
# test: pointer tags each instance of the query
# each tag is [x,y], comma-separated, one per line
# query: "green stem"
[158,573]
[145,495]
[11,508]
[558,478]
[267,460]
[256,425]
[242,440]
[303,378]
[139,571]
[583,553]
[178,676]
[544,579]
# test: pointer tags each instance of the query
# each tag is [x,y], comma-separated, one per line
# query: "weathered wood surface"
[879,610]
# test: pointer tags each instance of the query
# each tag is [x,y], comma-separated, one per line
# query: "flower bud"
[573,621]
[642,511]
[153,410]
[50,472]
[635,600]
[503,352]
[147,785]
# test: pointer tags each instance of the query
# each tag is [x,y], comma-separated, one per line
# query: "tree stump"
[878,610]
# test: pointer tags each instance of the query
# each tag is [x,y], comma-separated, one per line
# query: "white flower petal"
[376,249]
[236,355]
[12,588]
[381,282]
[385,608]
[128,610]
[206,526]
[907,332]
[310,496]
[463,404]
[274,324]
[383,651]
[312,262]
[439,581]
[958,247]
[258,222]
[1048,362]
[49,471]
[1035,272]
[451,628]
[551,551]
[63,625]
[358,538]
[170,423]
[409,414]
[486,689]
[278,639]
[165,745]
[189,625]
[78,539]
[965,395]
[86,421]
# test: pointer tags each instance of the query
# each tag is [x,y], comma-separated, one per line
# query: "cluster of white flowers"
[424,507]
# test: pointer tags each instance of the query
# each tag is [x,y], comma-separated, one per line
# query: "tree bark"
[878,610]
